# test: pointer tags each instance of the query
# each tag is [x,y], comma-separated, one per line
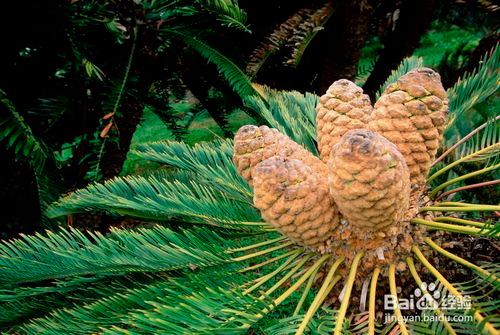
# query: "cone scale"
[295,199]
[344,107]
[411,113]
[369,180]
[253,145]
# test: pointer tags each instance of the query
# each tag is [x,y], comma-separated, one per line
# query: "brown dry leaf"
[106,129]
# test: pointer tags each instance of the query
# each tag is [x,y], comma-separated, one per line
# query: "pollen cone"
[254,144]
[369,180]
[343,107]
[294,198]
[411,113]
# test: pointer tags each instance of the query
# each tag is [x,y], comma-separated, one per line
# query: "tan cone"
[411,113]
[369,180]
[254,144]
[294,198]
[343,107]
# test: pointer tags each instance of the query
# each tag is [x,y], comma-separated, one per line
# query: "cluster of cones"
[372,167]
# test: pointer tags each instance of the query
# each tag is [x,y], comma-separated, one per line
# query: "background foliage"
[144,97]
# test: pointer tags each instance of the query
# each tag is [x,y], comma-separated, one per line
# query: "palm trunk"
[413,22]
[342,45]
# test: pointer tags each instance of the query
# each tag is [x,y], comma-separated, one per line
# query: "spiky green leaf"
[292,113]
[157,198]
[238,80]
[475,87]
[209,162]
[74,253]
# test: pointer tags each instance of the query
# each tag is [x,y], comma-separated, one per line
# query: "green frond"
[487,141]
[461,319]
[17,136]
[216,307]
[111,309]
[490,166]
[92,70]
[474,87]
[156,198]
[293,35]
[228,12]
[292,113]
[236,78]
[431,327]
[363,70]
[322,324]
[285,326]
[406,65]
[209,162]
[431,321]
[481,148]
[489,137]
[73,253]
[481,288]
[85,297]
[50,186]
[88,318]
[19,304]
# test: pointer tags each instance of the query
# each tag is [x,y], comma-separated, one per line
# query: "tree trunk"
[334,52]
[413,22]
[342,42]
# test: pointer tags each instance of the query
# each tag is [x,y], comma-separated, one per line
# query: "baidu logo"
[426,297]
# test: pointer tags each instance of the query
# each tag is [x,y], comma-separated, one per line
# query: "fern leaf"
[88,318]
[20,304]
[474,87]
[164,11]
[487,141]
[80,301]
[17,135]
[322,324]
[228,12]
[292,113]
[108,309]
[72,253]
[237,79]
[156,198]
[363,70]
[218,306]
[209,162]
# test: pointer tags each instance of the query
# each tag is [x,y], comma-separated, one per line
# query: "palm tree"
[205,261]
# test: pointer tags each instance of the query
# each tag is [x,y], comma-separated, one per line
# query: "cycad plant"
[272,233]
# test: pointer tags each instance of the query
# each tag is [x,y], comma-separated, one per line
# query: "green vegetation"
[442,42]
[120,117]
